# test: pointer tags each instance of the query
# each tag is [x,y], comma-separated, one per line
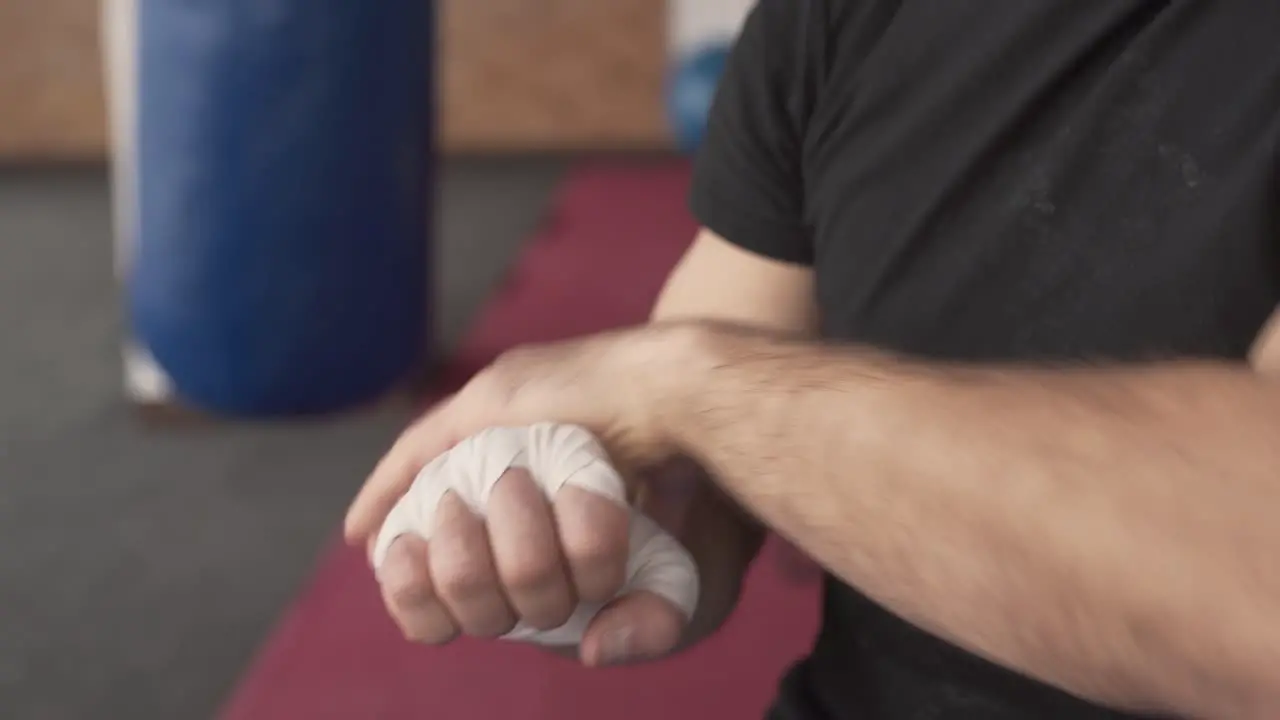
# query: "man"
[969,322]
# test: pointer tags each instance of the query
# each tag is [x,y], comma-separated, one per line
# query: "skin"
[1108,530]
[539,559]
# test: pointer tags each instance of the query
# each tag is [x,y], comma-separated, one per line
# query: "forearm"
[1107,530]
[719,282]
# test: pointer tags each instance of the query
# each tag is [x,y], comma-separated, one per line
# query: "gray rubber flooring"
[141,567]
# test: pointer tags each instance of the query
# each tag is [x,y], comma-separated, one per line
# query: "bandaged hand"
[525,533]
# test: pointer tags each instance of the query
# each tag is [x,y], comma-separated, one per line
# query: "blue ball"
[690,91]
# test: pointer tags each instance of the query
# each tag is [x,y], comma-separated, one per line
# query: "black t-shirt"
[999,180]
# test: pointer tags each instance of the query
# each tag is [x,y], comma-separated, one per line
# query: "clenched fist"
[522,557]
[525,533]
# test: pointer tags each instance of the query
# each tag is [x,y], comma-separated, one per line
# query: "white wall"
[695,22]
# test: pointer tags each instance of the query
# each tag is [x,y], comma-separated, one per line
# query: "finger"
[418,445]
[639,626]
[595,534]
[463,573]
[409,596]
[526,551]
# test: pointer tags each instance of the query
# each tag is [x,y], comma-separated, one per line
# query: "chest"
[1026,180]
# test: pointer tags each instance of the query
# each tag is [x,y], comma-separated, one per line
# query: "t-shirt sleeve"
[747,181]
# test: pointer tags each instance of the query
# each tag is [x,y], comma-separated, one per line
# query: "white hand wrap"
[555,455]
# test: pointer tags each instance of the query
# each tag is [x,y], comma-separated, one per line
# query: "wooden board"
[515,75]
[51,98]
[552,74]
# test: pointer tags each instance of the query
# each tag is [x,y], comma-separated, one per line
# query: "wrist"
[702,377]
[666,366]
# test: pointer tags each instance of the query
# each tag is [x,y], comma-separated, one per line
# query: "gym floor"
[141,567]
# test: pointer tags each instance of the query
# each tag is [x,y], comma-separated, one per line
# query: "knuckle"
[535,576]
[421,621]
[493,625]
[514,356]
[550,617]
[493,384]
[428,633]
[409,594]
[464,582]
[597,552]
[599,569]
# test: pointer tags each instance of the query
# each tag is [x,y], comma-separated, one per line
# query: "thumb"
[636,627]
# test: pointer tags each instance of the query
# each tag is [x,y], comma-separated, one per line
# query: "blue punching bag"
[690,91]
[284,188]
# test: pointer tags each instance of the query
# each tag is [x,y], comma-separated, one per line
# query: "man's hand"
[615,385]
[534,561]
[606,383]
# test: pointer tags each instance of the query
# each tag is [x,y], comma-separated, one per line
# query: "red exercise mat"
[598,262]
